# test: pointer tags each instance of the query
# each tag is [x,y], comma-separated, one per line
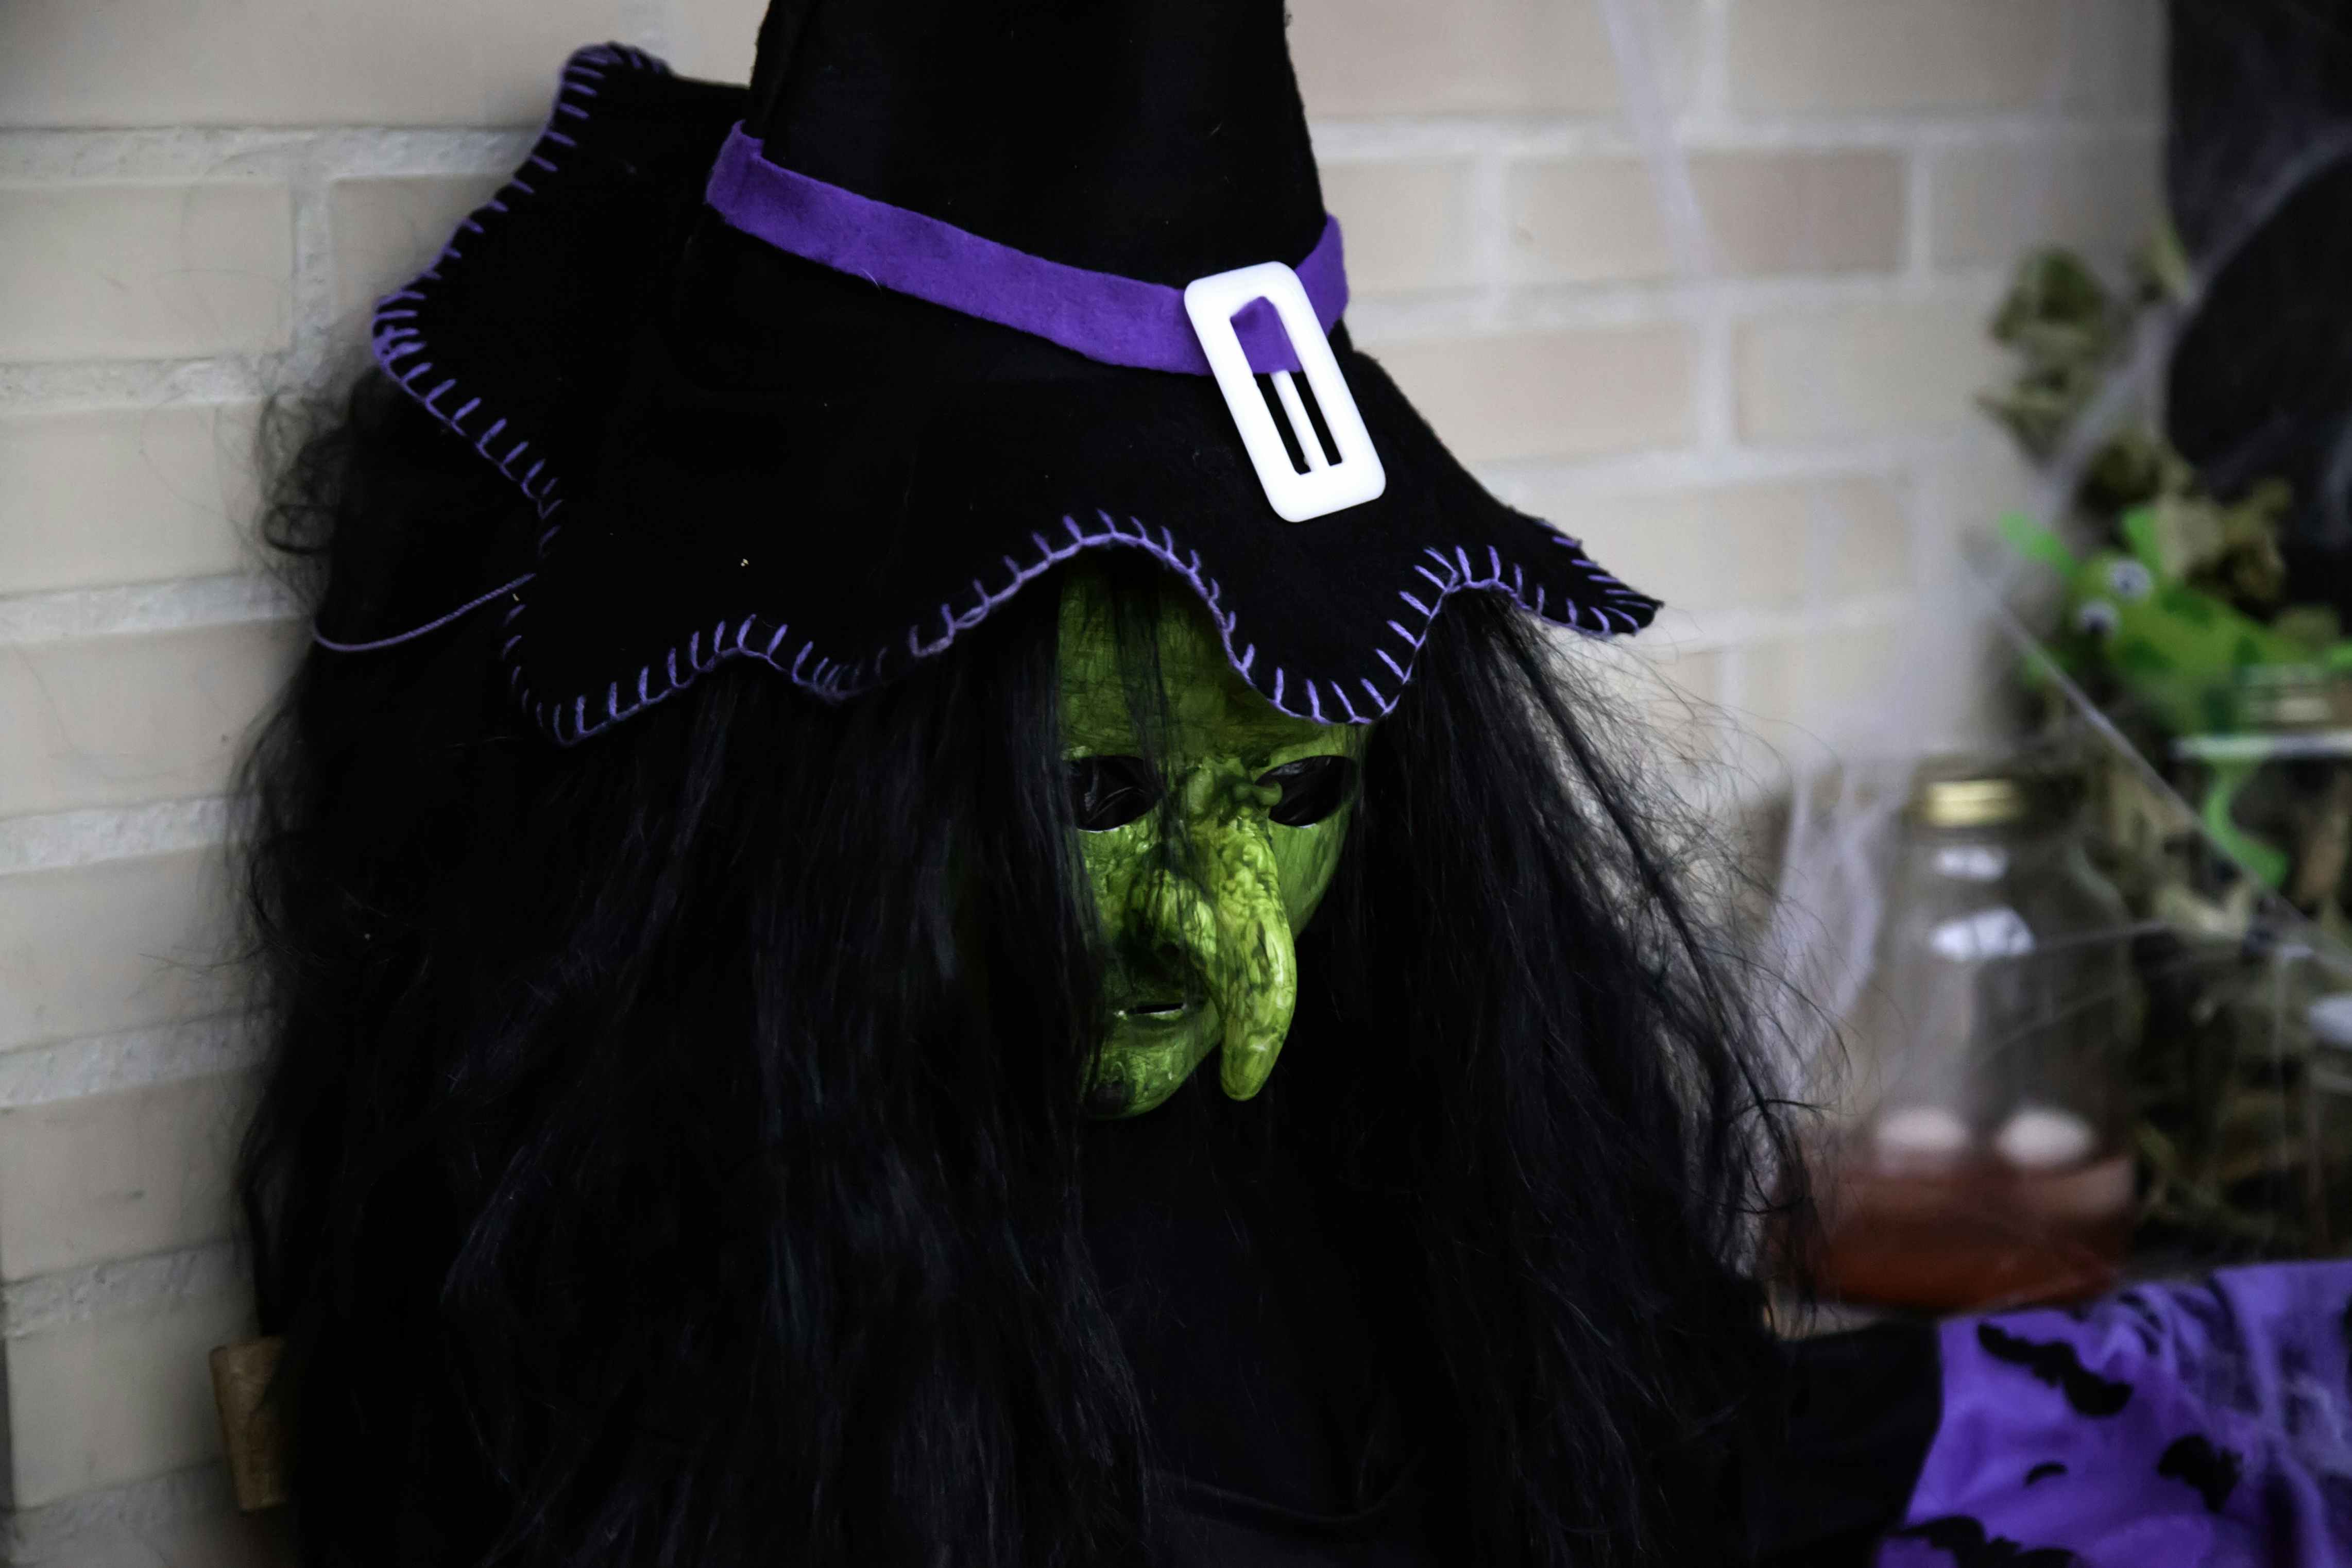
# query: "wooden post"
[251,1431]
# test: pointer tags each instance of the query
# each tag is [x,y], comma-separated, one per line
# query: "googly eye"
[2098,617]
[2131,581]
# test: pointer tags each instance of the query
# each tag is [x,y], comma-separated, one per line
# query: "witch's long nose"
[1251,971]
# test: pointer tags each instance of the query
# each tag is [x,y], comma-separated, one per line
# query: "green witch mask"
[1198,922]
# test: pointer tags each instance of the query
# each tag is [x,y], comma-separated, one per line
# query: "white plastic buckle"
[1327,485]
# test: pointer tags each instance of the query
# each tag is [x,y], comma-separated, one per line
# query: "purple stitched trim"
[393,339]
[571,722]
[1118,320]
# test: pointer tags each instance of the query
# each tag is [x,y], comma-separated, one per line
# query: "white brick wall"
[197,198]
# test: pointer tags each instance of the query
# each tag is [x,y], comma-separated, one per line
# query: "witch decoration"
[869,630]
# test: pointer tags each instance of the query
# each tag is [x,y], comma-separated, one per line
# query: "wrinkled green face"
[1199,930]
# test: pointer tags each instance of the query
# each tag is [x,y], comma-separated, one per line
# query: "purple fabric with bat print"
[2200,1425]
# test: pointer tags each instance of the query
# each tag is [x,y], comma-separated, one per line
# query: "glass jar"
[1985,1162]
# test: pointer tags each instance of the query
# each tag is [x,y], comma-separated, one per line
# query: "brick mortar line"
[1732,629]
[1730,683]
[62,1071]
[1711,70]
[1919,225]
[1382,321]
[1412,315]
[1715,374]
[72,614]
[312,305]
[1751,298]
[64,385]
[1932,133]
[1381,139]
[62,840]
[652,26]
[45,1534]
[42,158]
[102,1290]
[1669,468]
[1490,241]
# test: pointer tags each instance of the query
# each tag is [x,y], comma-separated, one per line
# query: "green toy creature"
[2187,658]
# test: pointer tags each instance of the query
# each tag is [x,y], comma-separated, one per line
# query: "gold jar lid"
[1970,803]
[1953,794]
[2292,697]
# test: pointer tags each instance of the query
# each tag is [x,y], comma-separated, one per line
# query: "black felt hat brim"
[738,454]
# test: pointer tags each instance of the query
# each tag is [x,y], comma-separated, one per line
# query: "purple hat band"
[1105,317]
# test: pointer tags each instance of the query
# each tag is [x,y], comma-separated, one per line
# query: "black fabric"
[733,452]
[1202,1528]
[1159,141]
[523,326]
[1272,1341]
[1862,1408]
[1287,1372]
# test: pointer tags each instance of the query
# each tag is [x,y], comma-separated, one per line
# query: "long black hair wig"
[670,1148]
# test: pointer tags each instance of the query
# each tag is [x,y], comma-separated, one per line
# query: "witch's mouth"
[1155,992]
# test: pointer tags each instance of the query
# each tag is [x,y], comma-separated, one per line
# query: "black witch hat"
[821,372]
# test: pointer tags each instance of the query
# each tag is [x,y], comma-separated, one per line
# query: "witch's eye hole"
[1110,792]
[1312,789]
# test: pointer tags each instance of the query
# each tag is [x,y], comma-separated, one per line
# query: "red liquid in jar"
[1971,1234]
